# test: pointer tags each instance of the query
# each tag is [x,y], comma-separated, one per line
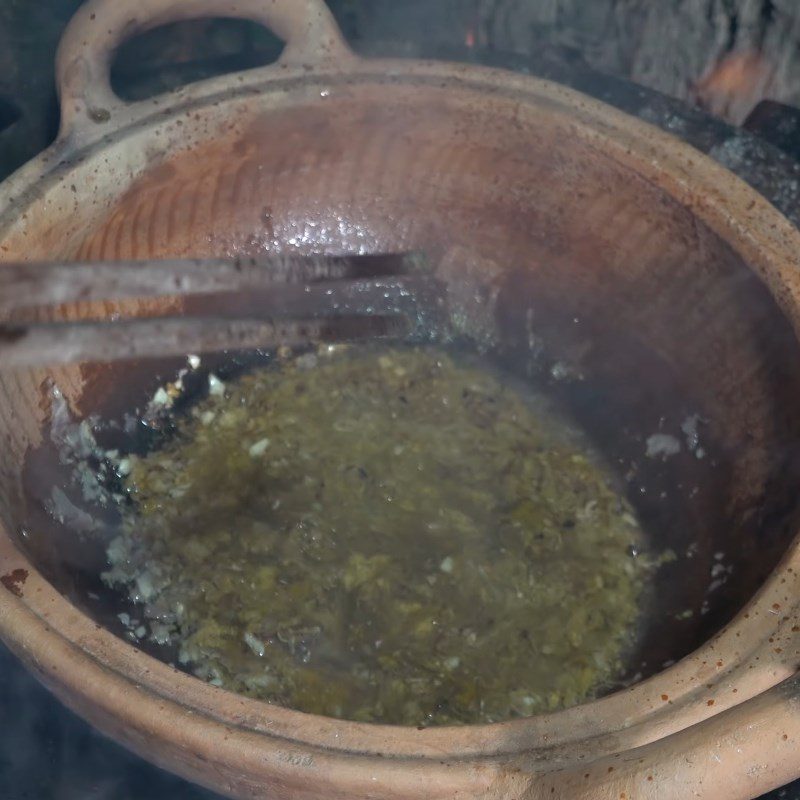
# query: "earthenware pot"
[562,212]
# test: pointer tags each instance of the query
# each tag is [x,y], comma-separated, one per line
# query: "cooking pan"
[644,284]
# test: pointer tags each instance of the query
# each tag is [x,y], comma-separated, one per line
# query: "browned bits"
[14,580]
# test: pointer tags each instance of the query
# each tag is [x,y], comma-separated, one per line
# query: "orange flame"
[734,85]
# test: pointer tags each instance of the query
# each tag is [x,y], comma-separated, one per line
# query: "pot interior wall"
[584,268]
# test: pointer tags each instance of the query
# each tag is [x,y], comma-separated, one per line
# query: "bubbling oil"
[384,534]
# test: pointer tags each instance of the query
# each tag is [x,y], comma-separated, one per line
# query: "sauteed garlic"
[384,534]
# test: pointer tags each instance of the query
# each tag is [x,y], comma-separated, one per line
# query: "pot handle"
[83,61]
[737,754]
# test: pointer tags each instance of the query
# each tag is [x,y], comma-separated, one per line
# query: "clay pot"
[684,284]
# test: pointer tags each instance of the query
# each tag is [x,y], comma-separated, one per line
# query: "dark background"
[716,60]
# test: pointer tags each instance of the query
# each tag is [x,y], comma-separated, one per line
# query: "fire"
[734,85]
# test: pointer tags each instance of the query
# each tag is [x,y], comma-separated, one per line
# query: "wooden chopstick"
[229,305]
[46,344]
[27,285]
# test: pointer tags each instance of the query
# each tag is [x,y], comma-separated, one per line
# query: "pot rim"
[41,623]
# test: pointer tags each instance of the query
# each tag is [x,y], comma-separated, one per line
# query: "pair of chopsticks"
[231,288]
